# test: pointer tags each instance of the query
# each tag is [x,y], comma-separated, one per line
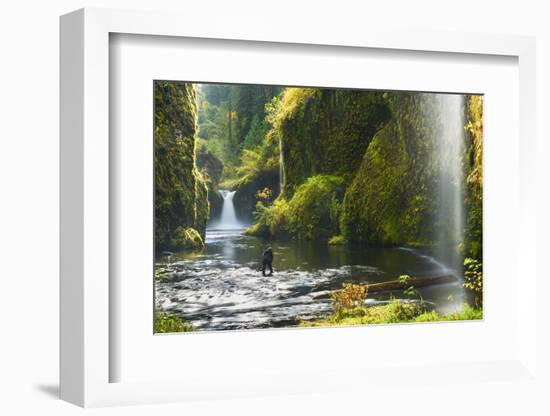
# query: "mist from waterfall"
[449,151]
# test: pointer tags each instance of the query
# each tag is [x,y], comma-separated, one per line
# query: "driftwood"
[413,281]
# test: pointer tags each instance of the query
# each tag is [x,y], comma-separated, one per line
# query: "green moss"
[168,322]
[394,312]
[211,169]
[467,313]
[393,198]
[326,131]
[313,212]
[337,240]
[187,239]
[181,195]
[474,173]
[376,207]
[271,221]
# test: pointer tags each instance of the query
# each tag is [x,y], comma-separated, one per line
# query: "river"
[221,288]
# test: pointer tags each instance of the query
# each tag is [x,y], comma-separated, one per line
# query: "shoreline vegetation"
[349,308]
[344,167]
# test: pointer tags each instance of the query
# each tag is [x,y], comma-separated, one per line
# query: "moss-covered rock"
[187,239]
[314,209]
[395,197]
[374,205]
[312,213]
[181,195]
[211,169]
[474,174]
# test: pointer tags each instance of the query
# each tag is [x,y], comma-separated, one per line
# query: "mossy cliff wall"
[181,195]
[326,132]
[474,178]
[391,152]
[393,197]
[211,169]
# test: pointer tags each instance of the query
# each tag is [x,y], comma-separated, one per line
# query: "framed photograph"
[245,216]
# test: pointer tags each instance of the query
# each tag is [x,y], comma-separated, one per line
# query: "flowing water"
[222,288]
[228,218]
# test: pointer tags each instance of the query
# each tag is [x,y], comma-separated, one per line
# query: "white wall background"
[29,184]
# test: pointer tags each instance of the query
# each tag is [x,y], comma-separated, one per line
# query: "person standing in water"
[267,260]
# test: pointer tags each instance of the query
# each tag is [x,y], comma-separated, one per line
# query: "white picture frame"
[85,353]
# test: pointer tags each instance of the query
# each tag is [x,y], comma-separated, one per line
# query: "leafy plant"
[473,276]
[410,290]
[351,296]
[264,195]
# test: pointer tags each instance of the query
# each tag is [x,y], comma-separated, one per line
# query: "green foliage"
[394,312]
[474,173]
[187,238]
[473,276]
[181,196]
[256,134]
[264,195]
[272,220]
[233,117]
[467,313]
[258,169]
[314,209]
[337,240]
[312,212]
[349,297]
[409,290]
[168,322]
[349,309]
[376,208]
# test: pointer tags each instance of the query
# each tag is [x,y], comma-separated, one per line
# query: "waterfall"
[228,219]
[449,151]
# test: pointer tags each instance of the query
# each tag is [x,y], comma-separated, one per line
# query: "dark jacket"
[267,255]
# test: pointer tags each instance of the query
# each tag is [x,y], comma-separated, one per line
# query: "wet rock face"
[216,203]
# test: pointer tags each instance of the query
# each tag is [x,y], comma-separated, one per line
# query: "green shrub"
[313,211]
[337,240]
[270,221]
[350,297]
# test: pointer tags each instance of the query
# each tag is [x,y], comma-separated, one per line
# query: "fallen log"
[413,281]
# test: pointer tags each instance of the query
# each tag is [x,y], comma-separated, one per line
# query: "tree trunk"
[414,281]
